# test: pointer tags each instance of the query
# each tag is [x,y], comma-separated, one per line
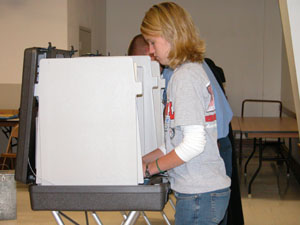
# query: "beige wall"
[272,50]
[34,23]
[30,23]
[90,14]
[10,96]
[243,37]
[286,87]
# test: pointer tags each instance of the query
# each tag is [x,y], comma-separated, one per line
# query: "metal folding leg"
[57,217]
[288,158]
[132,218]
[165,218]
[124,215]
[163,213]
[250,157]
[172,203]
[143,214]
[146,218]
[96,218]
[258,169]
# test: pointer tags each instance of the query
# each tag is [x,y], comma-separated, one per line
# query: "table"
[8,122]
[132,198]
[6,125]
[8,113]
[267,127]
[235,125]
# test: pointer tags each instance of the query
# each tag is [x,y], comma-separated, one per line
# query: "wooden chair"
[8,153]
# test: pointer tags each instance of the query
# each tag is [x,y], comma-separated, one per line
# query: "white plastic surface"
[149,115]
[87,122]
[157,102]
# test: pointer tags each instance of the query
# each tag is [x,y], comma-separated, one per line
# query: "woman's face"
[159,47]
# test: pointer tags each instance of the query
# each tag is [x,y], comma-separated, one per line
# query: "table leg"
[285,159]
[241,150]
[258,169]
[250,157]
[289,157]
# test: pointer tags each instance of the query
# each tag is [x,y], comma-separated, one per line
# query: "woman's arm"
[152,156]
[164,163]
[192,145]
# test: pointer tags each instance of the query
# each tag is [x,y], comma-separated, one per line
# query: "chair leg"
[3,163]
[12,163]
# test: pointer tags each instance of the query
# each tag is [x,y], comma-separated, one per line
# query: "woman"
[190,154]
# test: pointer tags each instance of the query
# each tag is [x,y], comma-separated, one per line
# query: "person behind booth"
[196,171]
[138,46]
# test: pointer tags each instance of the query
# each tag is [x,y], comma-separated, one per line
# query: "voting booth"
[84,125]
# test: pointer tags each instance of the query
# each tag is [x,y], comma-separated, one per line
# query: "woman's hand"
[144,168]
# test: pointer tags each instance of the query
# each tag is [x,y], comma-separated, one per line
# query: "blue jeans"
[201,209]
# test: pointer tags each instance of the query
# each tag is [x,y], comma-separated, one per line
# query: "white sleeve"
[193,142]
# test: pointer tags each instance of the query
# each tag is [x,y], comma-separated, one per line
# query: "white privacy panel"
[87,122]
[149,104]
[157,101]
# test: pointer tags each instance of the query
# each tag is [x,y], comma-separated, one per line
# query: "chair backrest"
[8,153]
[262,101]
[15,131]
[14,134]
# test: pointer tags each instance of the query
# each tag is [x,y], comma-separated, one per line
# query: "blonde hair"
[173,23]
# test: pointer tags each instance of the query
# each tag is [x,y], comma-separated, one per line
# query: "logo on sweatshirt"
[169,115]
[169,111]
[210,115]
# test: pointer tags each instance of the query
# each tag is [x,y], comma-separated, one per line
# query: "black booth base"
[99,198]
